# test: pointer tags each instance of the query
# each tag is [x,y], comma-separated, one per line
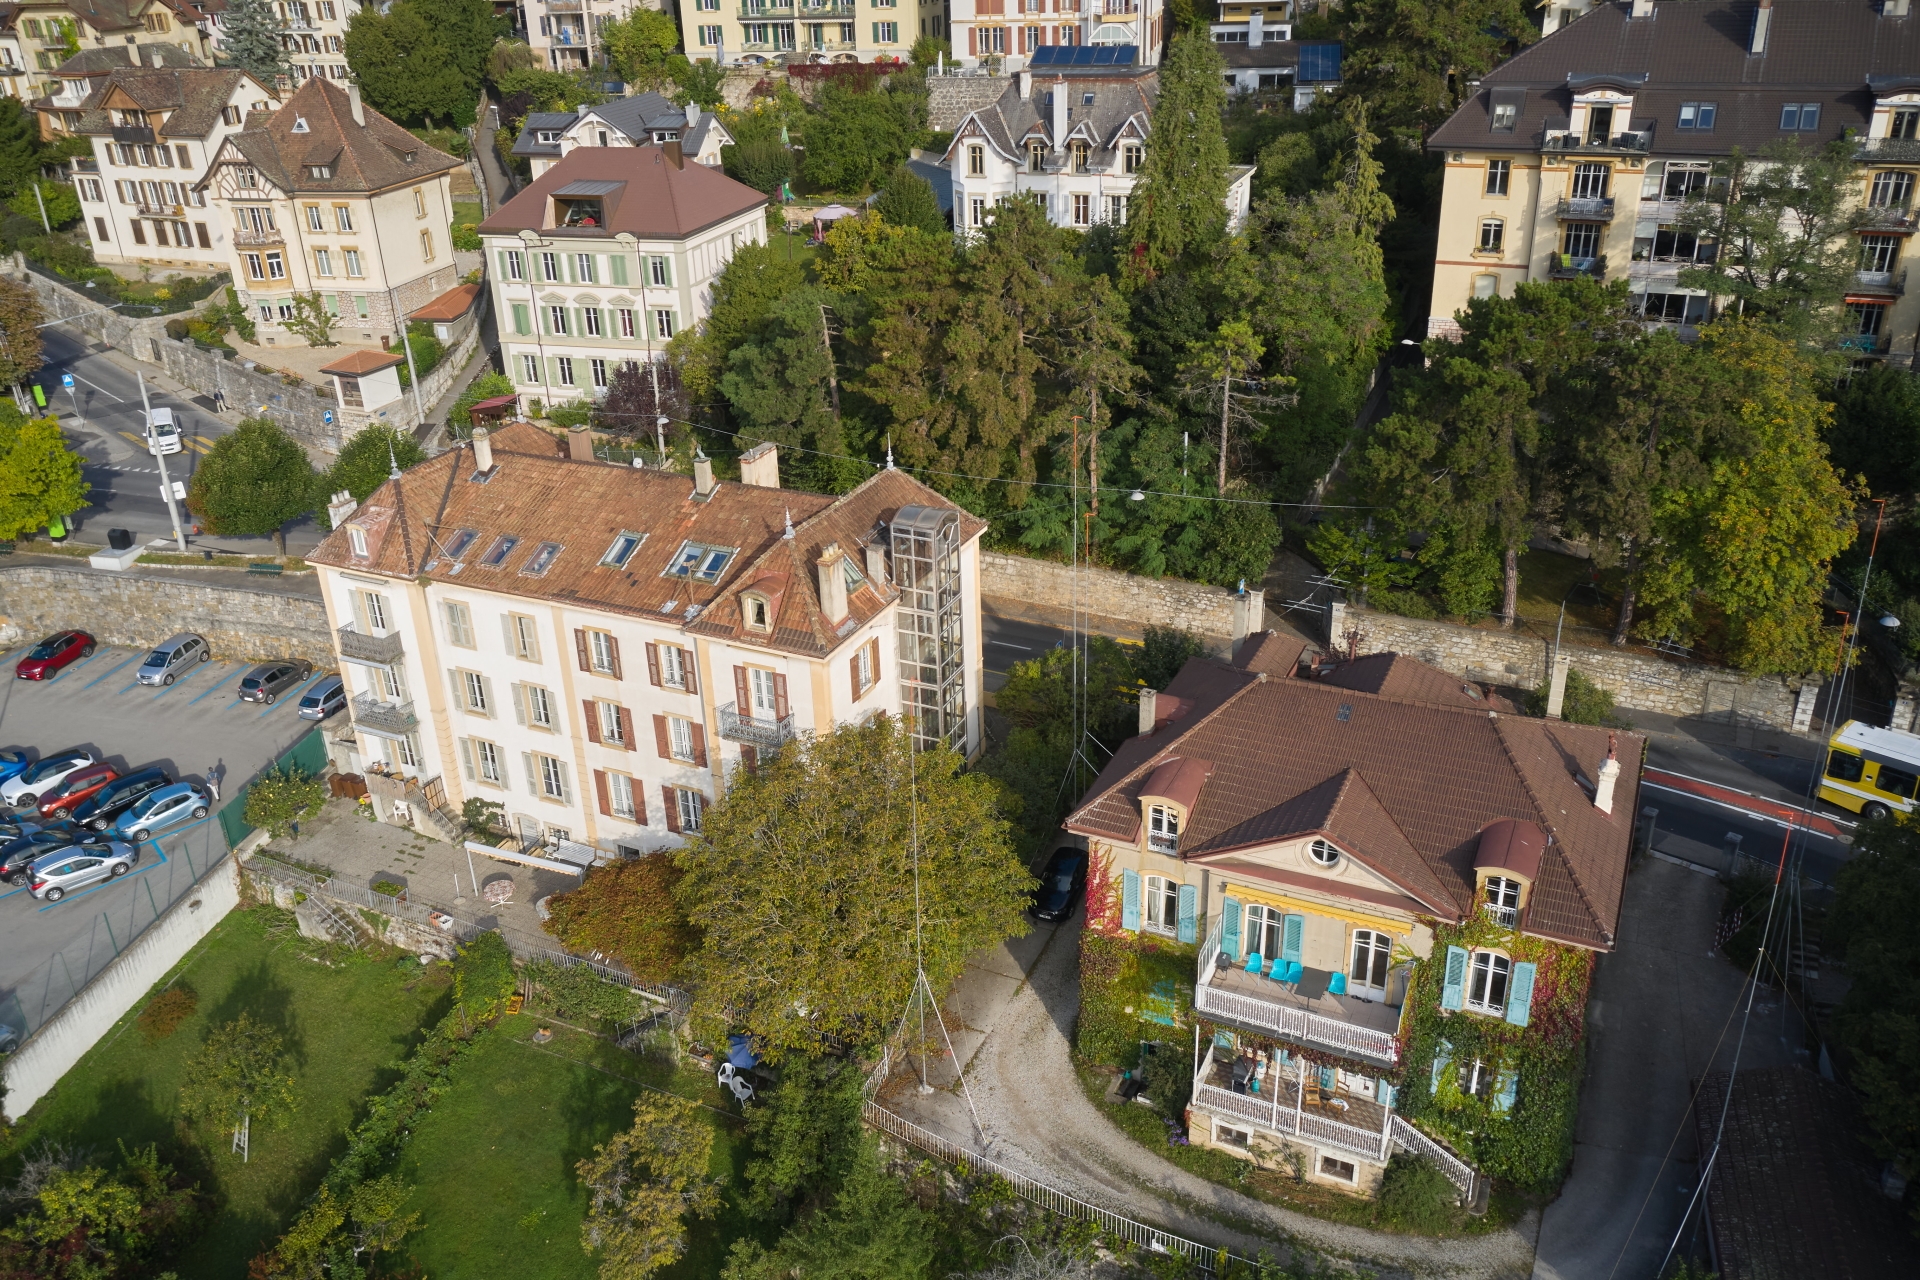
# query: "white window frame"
[1160,904]
[489,763]
[611,732]
[760,688]
[473,693]
[1163,828]
[459,624]
[620,796]
[526,636]
[680,739]
[673,666]
[692,806]
[552,771]
[1369,945]
[600,651]
[539,706]
[1487,971]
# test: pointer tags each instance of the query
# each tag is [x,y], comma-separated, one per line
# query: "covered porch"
[1303,1010]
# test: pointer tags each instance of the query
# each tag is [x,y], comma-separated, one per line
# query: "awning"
[524,859]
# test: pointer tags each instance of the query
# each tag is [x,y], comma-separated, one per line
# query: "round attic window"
[1323,853]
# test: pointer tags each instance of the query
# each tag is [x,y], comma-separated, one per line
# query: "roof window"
[700,562]
[497,553]
[300,125]
[624,545]
[541,560]
[457,545]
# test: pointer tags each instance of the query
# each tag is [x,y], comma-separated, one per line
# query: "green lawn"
[1546,576]
[793,245]
[348,1026]
[493,1164]
[466,211]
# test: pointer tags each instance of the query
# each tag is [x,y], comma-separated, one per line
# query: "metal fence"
[306,757]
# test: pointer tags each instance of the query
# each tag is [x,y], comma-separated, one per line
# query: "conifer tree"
[250,39]
[1179,203]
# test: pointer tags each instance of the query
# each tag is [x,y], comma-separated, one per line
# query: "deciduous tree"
[40,478]
[82,1222]
[908,200]
[860,134]
[239,1075]
[626,910]
[640,46]
[645,1184]
[405,62]
[19,144]
[1417,60]
[280,799]
[252,482]
[20,346]
[367,460]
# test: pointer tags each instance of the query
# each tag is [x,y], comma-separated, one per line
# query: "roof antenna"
[788,535]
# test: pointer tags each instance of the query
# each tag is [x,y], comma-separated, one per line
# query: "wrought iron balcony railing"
[248,236]
[769,734]
[384,719]
[358,646]
[1587,208]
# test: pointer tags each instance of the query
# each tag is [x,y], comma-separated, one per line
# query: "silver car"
[172,658]
[59,873]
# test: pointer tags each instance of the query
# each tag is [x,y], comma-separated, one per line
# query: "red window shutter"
[745,704]
[973,42]
[600,791]
[853,676]
[673,810]
[580,648]
[779,696]
[693,675]
[613,653]
[626,728]
[874,664]
[592,714]
[653,663]
[639,801]
[750,758]
[699,745]
[660,737]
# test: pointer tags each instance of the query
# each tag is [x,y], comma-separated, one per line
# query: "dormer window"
[757,612]
[1323,853]
[1502,905]
[1905,123]
[1080,154]
[300,125]
[1132,156]
[1036,156]
[1163,829]
[546,135]
[319,172]
[357,539]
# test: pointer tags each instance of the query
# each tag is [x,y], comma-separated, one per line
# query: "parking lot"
[49,950]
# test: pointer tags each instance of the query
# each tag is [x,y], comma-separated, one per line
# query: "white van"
[163,434]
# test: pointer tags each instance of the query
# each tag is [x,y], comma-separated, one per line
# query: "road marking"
[161,861]
[102,390]
[74,666]
[203,440]
[178,681]
[1007,644]
[103,675]
[286,699]
[223,679]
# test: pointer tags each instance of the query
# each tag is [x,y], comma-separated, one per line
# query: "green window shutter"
[553,371]
[1230,928]
[522,322]
[1520,993]
[1189,925]
[1292,932]
[502,254]
[1453,991]
[579,322]
[1441,1057]
[617,268]
[1505,1086]
[1130,901]
[566,260]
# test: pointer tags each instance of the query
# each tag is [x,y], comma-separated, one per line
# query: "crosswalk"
[199,444]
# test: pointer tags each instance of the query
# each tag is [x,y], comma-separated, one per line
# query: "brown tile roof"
[1271,652]
[356,363]
[95,62]
[1395,676]
[451,305]
[654,199]
[190,98]
[364,158]
[1795,1191]
[1405,786]
[538,495]
[1817,51]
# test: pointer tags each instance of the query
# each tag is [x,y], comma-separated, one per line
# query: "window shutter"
[359,599]
[566,781]
[1441,1057]
[1130,900]
[692,674]
[750,758]
[1384,1093]
[699,745]
[653,654]
[780,707]
[1453,991]
[973,42]
[1230,928]
[486,691]
[626,728]
[580,648]
[519,692]
[660,737]
[613,653]
[673,810]
[1189,902]
[1520,993]
[588,710]
[853,676]
[617,268]
[600,792]
[506,633]
[459,693]
[1505,1086]
[1292,932]
[466,758]
[533,779]
[745,704]
[639,789]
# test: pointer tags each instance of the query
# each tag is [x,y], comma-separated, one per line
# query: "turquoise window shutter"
[1441,1057]
[1230,928]
[1384,1093]
[1189,903]
[1453,992]
[1505,1086]
[1130,900]
[1520,993]
[1292,930]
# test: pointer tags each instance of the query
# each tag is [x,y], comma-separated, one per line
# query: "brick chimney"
[833,583]
[341,507]
[580,444]
[760,465]
[703,483]
[1609,772]
[674,157]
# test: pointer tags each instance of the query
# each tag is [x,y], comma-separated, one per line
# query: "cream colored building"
[598,648]
[1005,33]
[749,32]
[1575,157]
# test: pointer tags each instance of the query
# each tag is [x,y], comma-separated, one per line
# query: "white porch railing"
[1458,1171]
[1280,1019]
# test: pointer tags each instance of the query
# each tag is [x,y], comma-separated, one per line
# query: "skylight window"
[699,562]
[497,553]
[624,545]
[541,560]
[457,546]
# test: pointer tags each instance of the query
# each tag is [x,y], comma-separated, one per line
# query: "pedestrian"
[213,780]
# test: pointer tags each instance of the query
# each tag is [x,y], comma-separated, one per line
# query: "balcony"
[302,24]
[134,134]
[159,210]
[1162,842]
[270,235]
[1627,143]
[765,12]
[1357,1028]
[1888,217]
[810,12]
[383,719]
[1277,1102]
[1505,917]
[85,164]
[566,6]
[1890,284]
[369,650]
[1865,344]
[769,735]
[826,46]
[1587,208]
[1567,267]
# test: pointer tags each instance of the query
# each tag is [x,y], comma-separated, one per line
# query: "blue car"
[13,764]
[168,807]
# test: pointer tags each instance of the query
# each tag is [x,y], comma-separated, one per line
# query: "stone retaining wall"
[1124,604]
[136,610]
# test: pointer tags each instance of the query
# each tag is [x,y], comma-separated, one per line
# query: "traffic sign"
[179,489]
[326,416]
[66,380]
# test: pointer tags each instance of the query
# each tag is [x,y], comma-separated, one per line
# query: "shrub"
[1408,604]
[761,163]
[483,976]
[626,909]
[278,801]
[389,888]
[1416,1196]
[466,236]
[574,413]
[1583,703]
[166,1011]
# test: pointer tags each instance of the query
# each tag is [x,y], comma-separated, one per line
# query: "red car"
[45,660]
[74,790]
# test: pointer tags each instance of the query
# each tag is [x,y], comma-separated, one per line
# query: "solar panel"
[1319,62]
[1103,55]
[1083,55]
[1046,55]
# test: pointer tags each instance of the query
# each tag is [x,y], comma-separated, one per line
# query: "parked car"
[163,433]
[328,695]
[20,853]
[173,657]
[62,871]
[25,788]
[1061,884]
[47,658]
[166,807]
[271,679]
[63,797]
[14,763]
[118,796]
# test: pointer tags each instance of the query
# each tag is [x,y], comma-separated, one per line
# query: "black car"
[1061,884]
[118,796]
[20,853]
[271,679]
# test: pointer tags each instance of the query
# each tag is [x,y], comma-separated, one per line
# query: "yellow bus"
[1871,771]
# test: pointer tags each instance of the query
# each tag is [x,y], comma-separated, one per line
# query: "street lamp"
[1890,622]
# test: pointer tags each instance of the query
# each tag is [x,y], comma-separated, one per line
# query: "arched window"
[1493,235]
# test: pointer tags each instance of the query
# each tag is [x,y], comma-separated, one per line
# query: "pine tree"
[1179,203]
[250,39]
[19,145]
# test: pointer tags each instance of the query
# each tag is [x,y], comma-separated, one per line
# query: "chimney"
[693,114]
[703,485]
[1255,29]
[674,157]
[1609,770]
[1761,18]
[877,564]
[1060,114]
[1026,84]
[1642,9]
[760,465]
[580,444]
[482,451]
[133,52]
[833,584]
[1149,707]
[341,507]
[353,105]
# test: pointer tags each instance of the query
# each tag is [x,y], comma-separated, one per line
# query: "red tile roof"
[648,196]
[356,363]
[451,305]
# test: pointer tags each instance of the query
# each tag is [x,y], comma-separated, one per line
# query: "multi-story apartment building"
[604,258]
[325,195]
[16,57]
[52,31]
[565,34]
[313,34]
[1072,137]
[1253,22]
[1005,33]
[641,120]
[597,648]
[68,87]
[1356,850]
[1576,156]
[154,132]
[755,31]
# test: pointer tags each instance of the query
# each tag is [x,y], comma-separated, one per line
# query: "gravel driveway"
[1011,1015]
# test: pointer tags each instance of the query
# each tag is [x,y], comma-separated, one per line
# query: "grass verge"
[348,1022]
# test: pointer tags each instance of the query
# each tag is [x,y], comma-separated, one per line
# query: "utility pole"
[41,201]
[826,341]
[166,485]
